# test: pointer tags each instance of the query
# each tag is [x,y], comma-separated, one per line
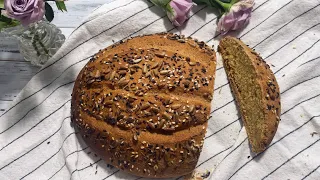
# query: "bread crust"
[267,86]
[143,104]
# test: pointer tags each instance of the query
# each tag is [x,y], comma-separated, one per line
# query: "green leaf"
[161,3]
[61,6]
[226,1]
[212,3]
[5,19]
[1,4]
[49,12]
[6,22]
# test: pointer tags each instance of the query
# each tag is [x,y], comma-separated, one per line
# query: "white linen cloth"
[38,142]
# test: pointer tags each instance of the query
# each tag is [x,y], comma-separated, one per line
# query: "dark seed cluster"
[272,92]
[102,94]
[124,156]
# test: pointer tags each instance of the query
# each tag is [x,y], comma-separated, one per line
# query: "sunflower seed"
[91,81]
[166,116]
[151,125]
[164,72]
[191,108]
[97,74]
[123,72]
[123,68]
[108,103]
[161,85]
[137,60]
[154,110]
[122,82]
[193,44]
[132,99]
[145,106]
[155,73]
[168,128]
[145,69]
[181,41]
[161,64]
[148,74]
[162,123]
[175,106]
[135,137]
[160,55]
[147,113]
[155,65]
[112,75]
[135,66]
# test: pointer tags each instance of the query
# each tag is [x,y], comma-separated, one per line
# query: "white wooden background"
[14,71]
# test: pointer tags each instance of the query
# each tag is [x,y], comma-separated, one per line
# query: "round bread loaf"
[143,104]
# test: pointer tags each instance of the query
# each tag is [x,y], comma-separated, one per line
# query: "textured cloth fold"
[37,140]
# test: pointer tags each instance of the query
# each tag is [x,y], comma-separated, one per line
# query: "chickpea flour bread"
[256,91]
[143,104]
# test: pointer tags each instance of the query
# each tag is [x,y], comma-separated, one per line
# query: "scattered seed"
[313,133]
[155,167]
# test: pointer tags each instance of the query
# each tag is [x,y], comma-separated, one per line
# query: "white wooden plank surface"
[15,73]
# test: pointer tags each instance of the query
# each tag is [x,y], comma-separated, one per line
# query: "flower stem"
[226,6]
[36,39]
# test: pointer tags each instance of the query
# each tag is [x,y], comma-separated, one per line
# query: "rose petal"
[181,9]
[26,11]
[237,17]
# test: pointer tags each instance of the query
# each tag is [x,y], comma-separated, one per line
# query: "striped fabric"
[37,140]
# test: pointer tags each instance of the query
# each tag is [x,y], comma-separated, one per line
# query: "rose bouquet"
[234,14]
[28,22]
[14,12]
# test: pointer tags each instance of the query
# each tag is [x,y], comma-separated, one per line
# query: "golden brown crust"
[261,130]
[143,104]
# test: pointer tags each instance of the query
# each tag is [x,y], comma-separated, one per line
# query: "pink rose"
[177,10]
[181,9]
[237,17]
[26,11]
